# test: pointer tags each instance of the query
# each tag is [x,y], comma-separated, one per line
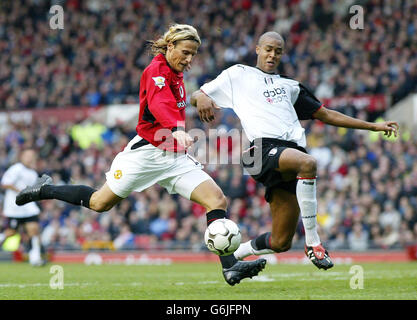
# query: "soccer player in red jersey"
[158,153]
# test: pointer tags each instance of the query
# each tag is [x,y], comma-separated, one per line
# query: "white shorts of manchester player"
[138,169]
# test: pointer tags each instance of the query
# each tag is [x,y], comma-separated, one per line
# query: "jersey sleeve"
[306,104]
[11,176]
[161,101]
[220,90]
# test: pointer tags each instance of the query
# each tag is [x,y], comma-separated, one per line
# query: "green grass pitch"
[205,282]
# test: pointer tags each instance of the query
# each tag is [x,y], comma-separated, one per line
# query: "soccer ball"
[222,237]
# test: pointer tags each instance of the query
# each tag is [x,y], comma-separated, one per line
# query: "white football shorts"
[138,169]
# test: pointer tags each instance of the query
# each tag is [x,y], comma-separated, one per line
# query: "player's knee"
[308,165]
[217,201]
[99,203]
[99,206]
[221,201]
[33,230]
[281,244]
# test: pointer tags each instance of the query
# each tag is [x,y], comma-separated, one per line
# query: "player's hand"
[389,127]
[183,138]
[205,108]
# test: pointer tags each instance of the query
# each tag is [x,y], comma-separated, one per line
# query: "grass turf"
[205,282]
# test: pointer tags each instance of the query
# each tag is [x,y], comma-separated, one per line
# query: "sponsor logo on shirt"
[274,92]
[181,104]
[159,81]
[275,95]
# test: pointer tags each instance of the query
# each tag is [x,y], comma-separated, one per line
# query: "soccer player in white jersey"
[16,178]
[269,107]
[158,153]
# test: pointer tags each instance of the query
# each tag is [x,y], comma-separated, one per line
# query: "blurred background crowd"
[99,55]
[367,185]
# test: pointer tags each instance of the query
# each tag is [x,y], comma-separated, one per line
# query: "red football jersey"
[162,104]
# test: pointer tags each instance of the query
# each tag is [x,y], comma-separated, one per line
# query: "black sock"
[78,195]
[230,260]
[262,242]
[214,215]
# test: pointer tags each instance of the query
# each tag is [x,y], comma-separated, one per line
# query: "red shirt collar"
[161,57]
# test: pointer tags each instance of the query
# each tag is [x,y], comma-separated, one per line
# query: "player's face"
[269,54]
[29,159]
[180,55]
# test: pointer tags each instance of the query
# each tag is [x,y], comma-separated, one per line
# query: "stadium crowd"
[99,55]
[367,186]
[367,191]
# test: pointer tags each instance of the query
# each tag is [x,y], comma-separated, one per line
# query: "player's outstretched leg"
[243,269]
[209,195]
[306,195]
[319,256]
[32,193]
[35,247]
[257,246]
[34,254]
[233,270]
[79,195]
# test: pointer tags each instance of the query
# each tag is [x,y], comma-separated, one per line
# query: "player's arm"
[193,99]
[10,186]
[204,104]
[213,95]
[10,178]
[308,106]
[339,119]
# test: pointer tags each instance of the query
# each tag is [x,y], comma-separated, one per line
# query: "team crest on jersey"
[118,174]
[159,81]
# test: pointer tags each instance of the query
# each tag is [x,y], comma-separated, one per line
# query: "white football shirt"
[19,176]
[268,105]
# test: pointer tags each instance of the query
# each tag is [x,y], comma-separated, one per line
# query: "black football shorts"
[262,158]
[14,222]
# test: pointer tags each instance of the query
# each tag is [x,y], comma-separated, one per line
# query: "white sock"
[306,196]
[35,252]
[246,249]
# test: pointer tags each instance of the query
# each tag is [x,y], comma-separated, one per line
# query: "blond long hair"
[175,33]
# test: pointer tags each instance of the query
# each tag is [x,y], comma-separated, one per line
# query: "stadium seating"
[367,186]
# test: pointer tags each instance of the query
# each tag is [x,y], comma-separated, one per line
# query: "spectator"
[390,237]
[390,217]
[358,238]
[125,239]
